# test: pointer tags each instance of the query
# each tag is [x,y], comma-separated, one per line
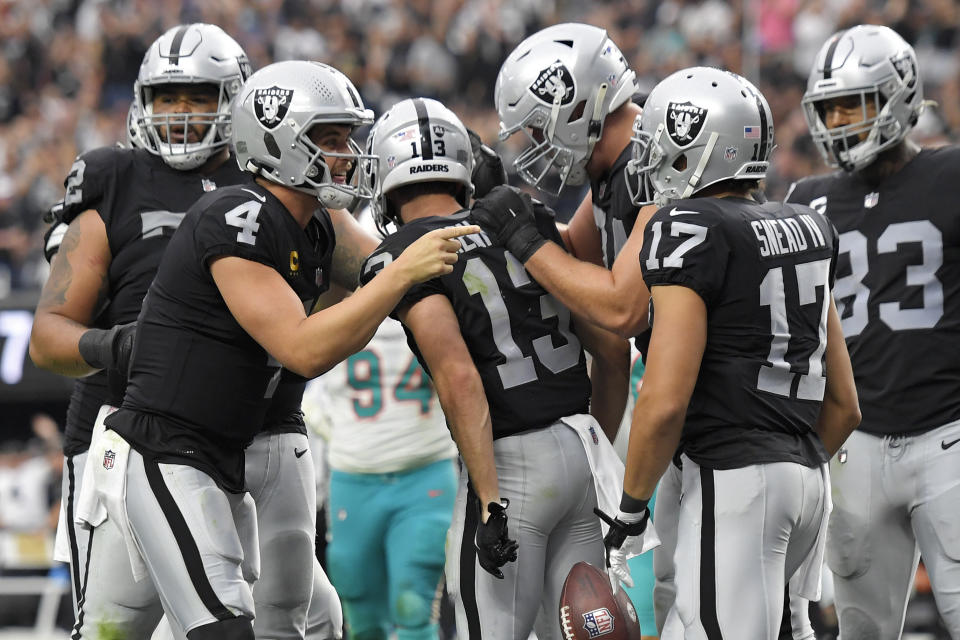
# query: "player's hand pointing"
[434,253]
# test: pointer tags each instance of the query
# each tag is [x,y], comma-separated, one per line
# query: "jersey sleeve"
[687,248]
[89,183]
[388,251]
[240,226]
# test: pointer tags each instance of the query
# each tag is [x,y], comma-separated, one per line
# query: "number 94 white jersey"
[380,407]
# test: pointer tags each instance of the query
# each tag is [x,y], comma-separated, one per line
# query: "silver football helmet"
[272,118]
[189,54]
[875,65]
[557,87]
[134,141]
[416,140]
[699,126]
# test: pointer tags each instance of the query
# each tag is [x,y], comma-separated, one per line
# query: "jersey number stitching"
[923,275]
[697,235]
[245,218]
[519,369]
[775,375]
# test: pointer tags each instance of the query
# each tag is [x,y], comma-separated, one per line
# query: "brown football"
[589,610]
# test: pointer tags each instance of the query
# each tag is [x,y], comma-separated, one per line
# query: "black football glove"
[506,214]
[109,348]
[488,171]
[494,548]
[626,524]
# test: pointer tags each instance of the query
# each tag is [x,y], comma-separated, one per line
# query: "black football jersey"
[199,385]
[898,287]
[613,211]
[521,339]
[141,201]
[765,272]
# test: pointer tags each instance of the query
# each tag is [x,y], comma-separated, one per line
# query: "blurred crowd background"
[67,69]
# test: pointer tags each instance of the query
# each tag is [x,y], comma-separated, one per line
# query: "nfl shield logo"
[730,154]
[598,622]
[684,122]
[593,434]
[208,185]
[108,458]
[270,105]
[871,199]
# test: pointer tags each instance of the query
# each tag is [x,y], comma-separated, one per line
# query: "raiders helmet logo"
[684,122]
[552,81]
[270,105]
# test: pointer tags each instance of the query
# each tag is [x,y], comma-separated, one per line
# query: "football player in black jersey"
[511,376]
[286,512]
[569,90]
[897,479]
[747,371]
[120,211]
[227,308]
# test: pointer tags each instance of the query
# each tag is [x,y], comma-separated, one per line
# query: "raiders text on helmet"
[416,140]
[188,54]
[272,119]
[699,126]
[557,87]
[877,67]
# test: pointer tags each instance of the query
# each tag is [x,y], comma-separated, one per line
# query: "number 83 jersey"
[898,287]
[765,272]
[521,339]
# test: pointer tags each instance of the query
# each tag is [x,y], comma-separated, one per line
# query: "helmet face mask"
[273,119]
[699,126]
[558,86]
[874,68]
[417,140]
[192,54]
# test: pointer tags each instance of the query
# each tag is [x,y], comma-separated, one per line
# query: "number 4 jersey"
[199,384]
[898,287]
[521,339]
[765,272]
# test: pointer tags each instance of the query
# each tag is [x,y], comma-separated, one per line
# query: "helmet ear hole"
[680,164]
[271,144]
[577,112]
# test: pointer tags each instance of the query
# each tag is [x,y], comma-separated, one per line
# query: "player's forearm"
[840,410]
[609,377]
[654,438]
[53,345]
[588,290]
[468,414]
[835,424]
[331,335]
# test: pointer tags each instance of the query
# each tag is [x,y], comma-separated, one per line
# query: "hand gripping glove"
[488,171]
[109,348]
[494,548]
[625,525]
[506,214]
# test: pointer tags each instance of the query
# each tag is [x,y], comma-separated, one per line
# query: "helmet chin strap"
[704,159]
[595,126]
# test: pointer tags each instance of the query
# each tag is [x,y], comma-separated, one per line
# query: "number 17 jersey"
[764,272]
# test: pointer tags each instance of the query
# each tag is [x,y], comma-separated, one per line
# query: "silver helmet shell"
[416,140]
[272,118]
[189,54]
[875,65]
[699,126]
[557,87]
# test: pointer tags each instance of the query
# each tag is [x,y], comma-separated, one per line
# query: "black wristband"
[95,347]
[629,504]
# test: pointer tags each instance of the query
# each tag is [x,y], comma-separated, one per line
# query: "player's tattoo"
[347,262]
[54,292]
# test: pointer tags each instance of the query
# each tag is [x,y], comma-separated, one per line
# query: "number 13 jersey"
[521,339]
[765,272]
[898,287]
